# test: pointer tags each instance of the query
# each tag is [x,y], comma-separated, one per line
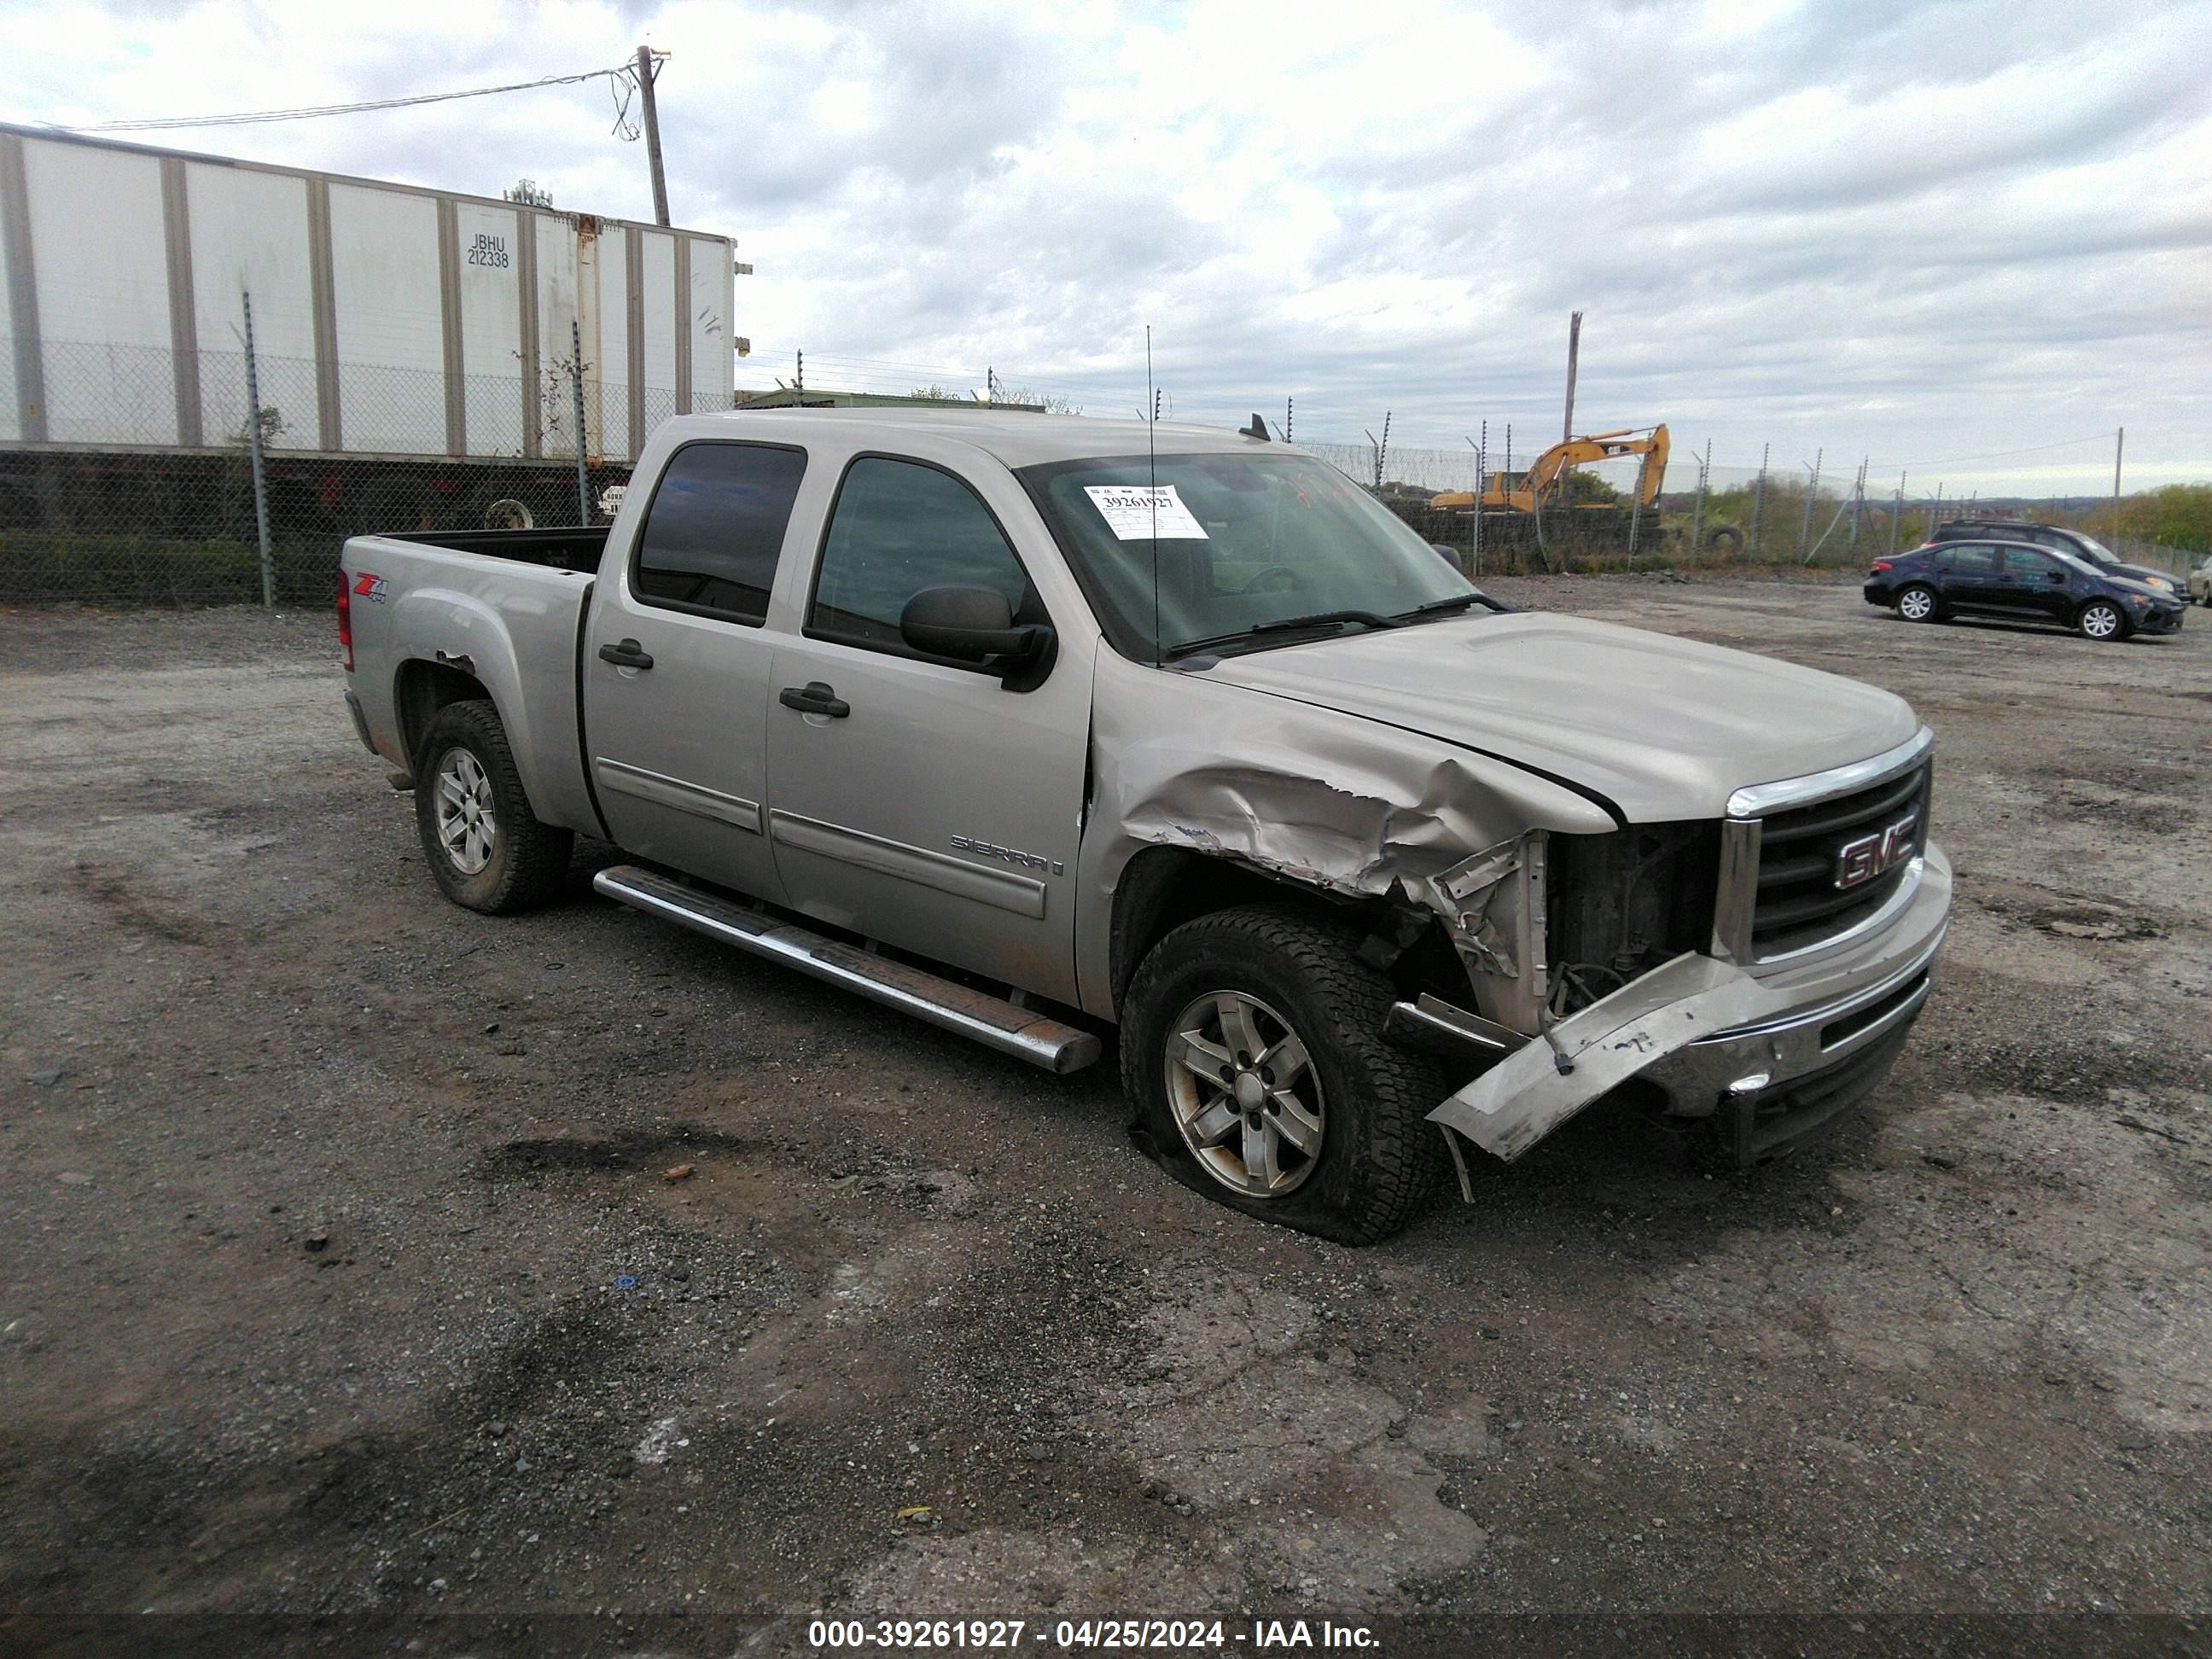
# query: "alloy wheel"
[467,827]
[1244,1093]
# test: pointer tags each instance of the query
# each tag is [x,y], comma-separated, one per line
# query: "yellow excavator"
[1545,482]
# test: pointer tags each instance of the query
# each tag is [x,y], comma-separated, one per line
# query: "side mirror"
[970,624]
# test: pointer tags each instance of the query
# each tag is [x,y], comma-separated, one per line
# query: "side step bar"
[1023,1033]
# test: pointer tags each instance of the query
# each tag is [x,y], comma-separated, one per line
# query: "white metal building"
[388,319]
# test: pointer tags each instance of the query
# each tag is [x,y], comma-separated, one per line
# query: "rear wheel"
[1252,1048]
[2100,619]
[486,848]
[1916,604]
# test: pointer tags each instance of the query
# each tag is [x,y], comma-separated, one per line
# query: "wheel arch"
[1162,888]
[421,687]
[2127,622]
[1935,594]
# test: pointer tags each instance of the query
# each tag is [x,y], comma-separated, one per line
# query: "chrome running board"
[1023,1033]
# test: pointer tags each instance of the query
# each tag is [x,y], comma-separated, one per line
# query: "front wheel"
[487,849]
[1252,1048]
[2100,619]
[1916,604]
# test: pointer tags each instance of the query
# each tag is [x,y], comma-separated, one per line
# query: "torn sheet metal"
[1526,1096]
[1333,801]
[1466,894]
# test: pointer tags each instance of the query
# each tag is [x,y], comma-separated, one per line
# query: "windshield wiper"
[1439,607]
[1286,624]
[1457,602]
[1372,618]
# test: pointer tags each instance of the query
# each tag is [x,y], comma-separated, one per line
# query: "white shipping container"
[388,319]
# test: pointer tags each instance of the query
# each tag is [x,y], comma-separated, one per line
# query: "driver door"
[916,799]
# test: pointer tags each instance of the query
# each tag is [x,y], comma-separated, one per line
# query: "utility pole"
[2118,449]
[645,71]
[1289,408]
[1897,513]
[1574,351]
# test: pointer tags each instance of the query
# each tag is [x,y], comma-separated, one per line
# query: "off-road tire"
[1933,613]
[2087,623]
[1380,1160]
[529,860]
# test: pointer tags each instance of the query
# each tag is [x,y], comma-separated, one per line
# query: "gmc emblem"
[1862,859]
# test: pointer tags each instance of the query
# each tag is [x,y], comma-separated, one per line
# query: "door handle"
[814,698]
[627,654]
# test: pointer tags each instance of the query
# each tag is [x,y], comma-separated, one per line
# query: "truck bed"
[568,547]
[505,607]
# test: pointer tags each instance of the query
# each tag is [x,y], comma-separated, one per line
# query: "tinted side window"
[1973,558]
[2019,561]
[715,527]
[1940,559]
[898,527]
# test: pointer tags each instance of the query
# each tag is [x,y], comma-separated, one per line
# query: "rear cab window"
[714,530]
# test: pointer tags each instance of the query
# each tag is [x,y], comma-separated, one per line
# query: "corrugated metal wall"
[387,319]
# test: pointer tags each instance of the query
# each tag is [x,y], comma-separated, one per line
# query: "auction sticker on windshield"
[1138,512]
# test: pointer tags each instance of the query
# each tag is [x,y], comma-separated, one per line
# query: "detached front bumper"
[1777,1056]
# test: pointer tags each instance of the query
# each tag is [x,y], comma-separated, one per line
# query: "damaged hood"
[1664,728]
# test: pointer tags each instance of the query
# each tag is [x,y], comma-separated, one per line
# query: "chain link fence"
[230,483]
[142,495]
[1705,514]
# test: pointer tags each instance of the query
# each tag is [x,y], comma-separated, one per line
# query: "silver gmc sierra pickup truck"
[1028,726]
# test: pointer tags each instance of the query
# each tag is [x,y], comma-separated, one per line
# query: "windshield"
[2095,551]
[1245,540]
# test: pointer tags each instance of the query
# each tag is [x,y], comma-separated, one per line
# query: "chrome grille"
[1808,888]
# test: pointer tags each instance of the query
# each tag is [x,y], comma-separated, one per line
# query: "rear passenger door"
[676,661]
[1970,575]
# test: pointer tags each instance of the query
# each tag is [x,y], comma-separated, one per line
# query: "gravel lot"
[339,1271]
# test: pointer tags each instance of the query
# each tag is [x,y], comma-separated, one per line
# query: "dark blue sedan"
[2021,583]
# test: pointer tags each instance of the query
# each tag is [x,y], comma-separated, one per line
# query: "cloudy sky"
[1969,241]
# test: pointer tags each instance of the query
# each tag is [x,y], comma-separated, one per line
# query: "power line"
[1999,454]
[256,116]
